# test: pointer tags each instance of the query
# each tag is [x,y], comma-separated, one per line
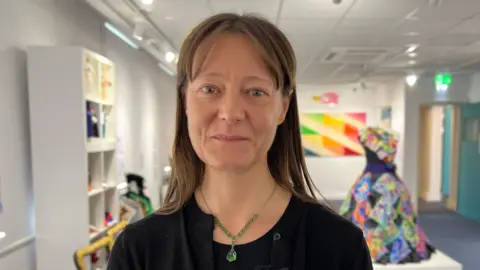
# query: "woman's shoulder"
[153,225]
[323,221]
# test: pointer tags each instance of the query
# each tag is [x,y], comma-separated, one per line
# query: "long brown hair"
[285,158]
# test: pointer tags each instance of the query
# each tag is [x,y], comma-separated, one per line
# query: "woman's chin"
[231,164]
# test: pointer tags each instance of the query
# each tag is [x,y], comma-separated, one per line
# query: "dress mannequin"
[380,204]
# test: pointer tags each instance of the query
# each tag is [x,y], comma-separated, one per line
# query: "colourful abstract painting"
[331,135]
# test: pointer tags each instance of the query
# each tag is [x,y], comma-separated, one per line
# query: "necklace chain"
[232,254]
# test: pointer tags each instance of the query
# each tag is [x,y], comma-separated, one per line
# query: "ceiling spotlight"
[412,48]
[147,2]
[411,80]
[169,56]
[412,54]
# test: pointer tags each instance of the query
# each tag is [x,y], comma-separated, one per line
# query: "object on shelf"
[108,219]
[135,192]
[92,121]
[94,257]
[89,120]
[90,74]
[115,231]
[79,255]
[106,82]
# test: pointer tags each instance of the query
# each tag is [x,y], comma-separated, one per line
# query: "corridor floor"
[454,235]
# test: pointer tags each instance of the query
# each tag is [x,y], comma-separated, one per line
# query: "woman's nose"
[231,107]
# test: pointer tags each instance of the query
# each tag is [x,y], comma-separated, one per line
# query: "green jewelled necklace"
[232,254]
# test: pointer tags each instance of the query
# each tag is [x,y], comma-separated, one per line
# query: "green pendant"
[232,255]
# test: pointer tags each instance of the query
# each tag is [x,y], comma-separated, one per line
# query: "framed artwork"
[331,135]
[386,117]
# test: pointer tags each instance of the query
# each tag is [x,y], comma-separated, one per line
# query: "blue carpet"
[455,236]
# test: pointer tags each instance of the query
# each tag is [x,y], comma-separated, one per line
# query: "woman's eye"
[257,92]
[208,89]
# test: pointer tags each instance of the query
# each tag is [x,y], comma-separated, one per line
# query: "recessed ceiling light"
[2,235]
[169,56]
[411,48]
[147,2]
[411,34]
[412,54]
[411,80]
[412,62]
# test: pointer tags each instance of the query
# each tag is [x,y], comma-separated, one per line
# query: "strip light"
[166,69]
[120,35]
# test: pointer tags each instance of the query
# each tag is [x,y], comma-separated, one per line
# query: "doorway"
[437,152]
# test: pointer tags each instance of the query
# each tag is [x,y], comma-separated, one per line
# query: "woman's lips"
[229,138]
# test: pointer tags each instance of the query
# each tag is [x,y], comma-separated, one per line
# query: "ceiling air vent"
[355,55]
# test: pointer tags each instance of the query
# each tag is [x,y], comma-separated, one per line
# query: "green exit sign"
[443,79]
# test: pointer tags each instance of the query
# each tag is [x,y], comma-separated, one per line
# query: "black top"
[256,255]
[312,238]
[251,256]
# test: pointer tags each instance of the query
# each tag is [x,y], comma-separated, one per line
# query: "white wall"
[145,98]
[334,176]
[397,101]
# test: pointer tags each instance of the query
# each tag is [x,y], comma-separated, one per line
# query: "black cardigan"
[320,239]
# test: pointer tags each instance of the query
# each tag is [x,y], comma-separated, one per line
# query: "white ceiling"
[365,39]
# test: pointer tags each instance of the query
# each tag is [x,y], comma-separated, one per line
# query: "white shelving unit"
[73,138]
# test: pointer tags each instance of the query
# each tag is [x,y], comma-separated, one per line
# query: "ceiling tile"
[449,9]
[181,9]
[294,9]
[353,40]
[364,25]
[265,8]
[393,9]
[424,27]
[306,27]
[400,40]
[304,48]
[454,39]
[318,71]
[177,29]
[469,26]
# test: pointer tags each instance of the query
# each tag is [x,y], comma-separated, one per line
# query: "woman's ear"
[285,105]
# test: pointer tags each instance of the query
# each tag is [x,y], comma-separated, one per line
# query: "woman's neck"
[236,195]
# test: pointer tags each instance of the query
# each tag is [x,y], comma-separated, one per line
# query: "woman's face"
[232,105]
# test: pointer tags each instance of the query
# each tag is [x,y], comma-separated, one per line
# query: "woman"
[379,203]
[240,196]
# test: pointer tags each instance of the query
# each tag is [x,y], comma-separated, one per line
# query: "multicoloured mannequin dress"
[380,204]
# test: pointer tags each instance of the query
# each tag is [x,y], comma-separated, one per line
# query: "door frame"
[452,199]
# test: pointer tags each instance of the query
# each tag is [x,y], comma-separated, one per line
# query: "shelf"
[95,145]
[95,191]
[99,101]
[105,188]
[82,153]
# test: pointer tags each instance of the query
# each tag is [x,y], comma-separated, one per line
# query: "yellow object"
[104,242]
[112,233]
